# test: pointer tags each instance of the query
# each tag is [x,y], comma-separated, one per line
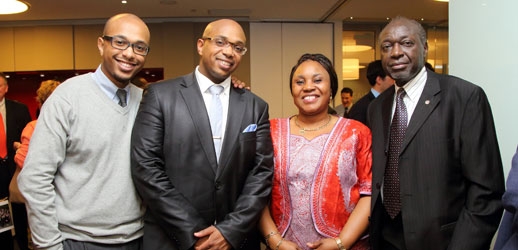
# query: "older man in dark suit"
[15,116]
[436,169]
[203,162]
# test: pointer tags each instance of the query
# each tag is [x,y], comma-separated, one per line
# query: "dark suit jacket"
[450,168]
[175,169]
[17,116]
[508,232]
[359,110]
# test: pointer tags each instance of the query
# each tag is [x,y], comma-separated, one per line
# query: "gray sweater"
[76,177]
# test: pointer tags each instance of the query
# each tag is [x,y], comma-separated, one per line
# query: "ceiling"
[97,11]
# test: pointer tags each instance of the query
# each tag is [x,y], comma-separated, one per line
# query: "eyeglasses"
[118,42]
[222,42]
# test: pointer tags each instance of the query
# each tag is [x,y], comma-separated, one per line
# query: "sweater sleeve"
[46,153]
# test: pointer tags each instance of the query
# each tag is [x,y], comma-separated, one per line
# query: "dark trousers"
[81,245]
[6,240]
[20,225]
[386,233]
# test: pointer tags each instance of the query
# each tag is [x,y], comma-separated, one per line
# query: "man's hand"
[211,238]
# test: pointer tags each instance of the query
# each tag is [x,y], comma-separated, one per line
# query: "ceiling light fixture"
[355,48]
[12,7]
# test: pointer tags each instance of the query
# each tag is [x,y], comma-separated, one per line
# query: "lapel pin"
[427,102]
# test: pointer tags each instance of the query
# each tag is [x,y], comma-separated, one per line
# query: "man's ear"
[100,45]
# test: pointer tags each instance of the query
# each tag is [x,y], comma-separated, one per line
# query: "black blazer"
[450,167]
[359,110]
[17,117]
[175,170]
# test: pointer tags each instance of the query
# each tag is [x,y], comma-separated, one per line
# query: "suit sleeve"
[256,191]
[177,216]
[510,198]
[482,168]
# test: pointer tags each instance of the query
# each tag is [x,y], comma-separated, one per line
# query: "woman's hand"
[323,244]
[286,245]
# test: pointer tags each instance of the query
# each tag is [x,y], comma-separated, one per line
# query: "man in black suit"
[15,116]
[380,81]
[195,197]
[448,162]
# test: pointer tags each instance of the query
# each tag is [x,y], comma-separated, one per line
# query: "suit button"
[378,185]
[217,185]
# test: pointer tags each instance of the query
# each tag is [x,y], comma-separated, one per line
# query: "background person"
[46,88]
[437,176]
[204,188]
[14,117]
[322,180]
[343,109]
[379,81]
[508,232]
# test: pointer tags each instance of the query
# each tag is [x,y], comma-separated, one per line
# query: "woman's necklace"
[303,130]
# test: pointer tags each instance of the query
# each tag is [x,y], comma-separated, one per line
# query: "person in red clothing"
[322,169]
[22,147]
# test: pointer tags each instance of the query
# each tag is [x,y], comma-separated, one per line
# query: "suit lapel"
[236,112]
[194,102]
[429,99]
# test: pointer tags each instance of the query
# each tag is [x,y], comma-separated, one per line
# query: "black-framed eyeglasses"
[224,43]
[121,43]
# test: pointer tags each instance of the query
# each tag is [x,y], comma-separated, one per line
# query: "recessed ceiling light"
[13,7]
[124,2]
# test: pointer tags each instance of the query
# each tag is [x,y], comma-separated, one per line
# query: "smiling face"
[403,49]
[346,99]
[122,65]
[311,88]
[218,63]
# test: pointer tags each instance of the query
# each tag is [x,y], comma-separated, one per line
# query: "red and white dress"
[317,183]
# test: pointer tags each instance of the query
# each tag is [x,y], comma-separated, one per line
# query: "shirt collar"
[413,86]
[374,92]
[106,84]
[205,82]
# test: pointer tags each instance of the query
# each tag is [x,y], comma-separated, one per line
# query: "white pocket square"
[250,128]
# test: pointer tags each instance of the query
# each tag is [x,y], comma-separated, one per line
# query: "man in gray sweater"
[76,177]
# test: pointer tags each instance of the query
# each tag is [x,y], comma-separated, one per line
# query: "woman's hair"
[326,63]
[46,88]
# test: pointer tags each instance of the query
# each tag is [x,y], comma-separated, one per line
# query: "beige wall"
[275,49]
[69,47]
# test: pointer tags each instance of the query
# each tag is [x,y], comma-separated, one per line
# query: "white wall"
[483,37]
[277,47]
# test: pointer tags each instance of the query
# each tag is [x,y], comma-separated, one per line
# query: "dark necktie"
[216,117]
[346,112]
[121,93]
[391,190]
